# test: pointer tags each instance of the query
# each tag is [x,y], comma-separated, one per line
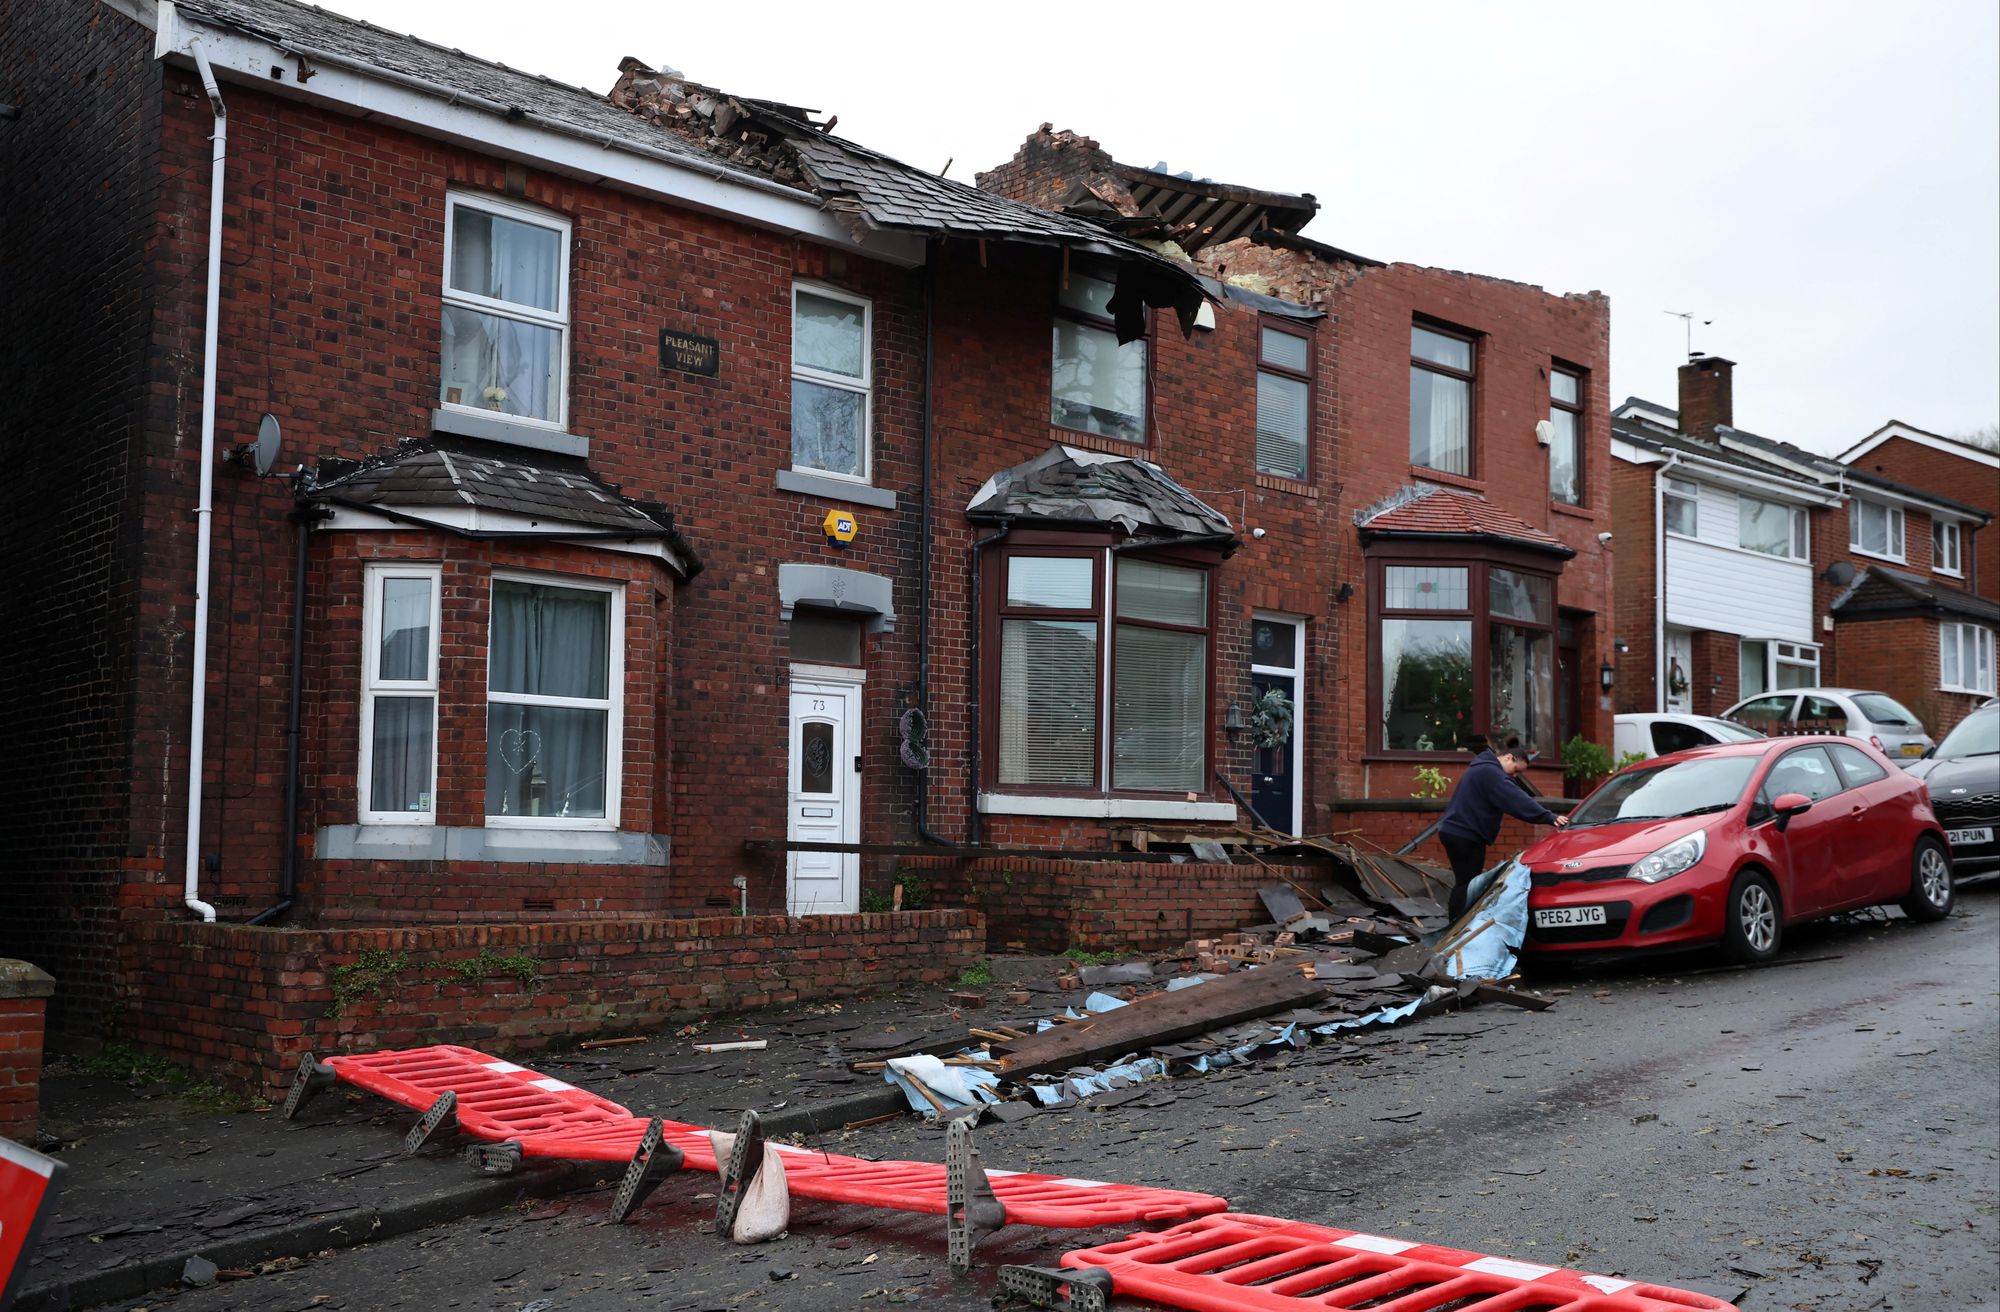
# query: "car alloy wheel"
[1758,916]
[1931,893]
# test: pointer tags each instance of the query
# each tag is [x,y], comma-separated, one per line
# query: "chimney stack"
[1705,395]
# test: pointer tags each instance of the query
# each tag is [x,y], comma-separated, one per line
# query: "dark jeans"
[1468,861]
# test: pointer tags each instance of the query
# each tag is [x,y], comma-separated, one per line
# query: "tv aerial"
[1687,317]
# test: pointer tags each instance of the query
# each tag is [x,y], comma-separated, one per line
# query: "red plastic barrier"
[500,1101]
[1240,1263]
[28,1183]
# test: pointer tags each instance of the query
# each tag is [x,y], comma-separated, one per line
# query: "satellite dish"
[265,453]
[1840,573]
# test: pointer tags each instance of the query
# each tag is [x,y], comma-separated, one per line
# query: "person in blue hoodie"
[1486,792]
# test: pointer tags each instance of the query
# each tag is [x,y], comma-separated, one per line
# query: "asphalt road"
[1823,1134]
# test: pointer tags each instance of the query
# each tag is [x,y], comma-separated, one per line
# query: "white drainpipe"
[1660,582]
[204,510]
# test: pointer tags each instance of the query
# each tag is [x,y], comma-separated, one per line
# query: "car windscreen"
[1729,731]
[1711,783]
[1882,709]
[1977,734]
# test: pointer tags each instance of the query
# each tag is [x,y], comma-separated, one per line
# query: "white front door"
[1680,672]
[824,799]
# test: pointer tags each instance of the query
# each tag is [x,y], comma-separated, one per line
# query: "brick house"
[1440,566]
[1758,566]
[569,505]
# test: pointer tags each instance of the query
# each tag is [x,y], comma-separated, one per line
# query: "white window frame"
[1954,636]
[1893,528]
[1669,493]
[1802,655]
[865,385]
[557,319]
[1798,533]
[614,729]
[1943,530]
[372,686]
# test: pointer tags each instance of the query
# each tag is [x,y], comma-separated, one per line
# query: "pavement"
[1819,1135]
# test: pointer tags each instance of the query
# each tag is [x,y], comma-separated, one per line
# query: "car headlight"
[1671,859]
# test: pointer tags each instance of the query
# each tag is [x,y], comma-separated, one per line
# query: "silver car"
[1885,723]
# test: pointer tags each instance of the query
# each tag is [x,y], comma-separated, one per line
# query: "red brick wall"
[331,322]
[24,995]
[1966,481]
[1036,905]
[1636,593]
[240,1004]
[1900,657]
[1717,673]
[77,212]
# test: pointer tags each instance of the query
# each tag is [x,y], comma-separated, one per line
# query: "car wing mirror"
[1788,805]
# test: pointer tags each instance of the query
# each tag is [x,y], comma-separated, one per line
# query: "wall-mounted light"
[1620,646]
[1345,594]
[1606,675]
[1232,720]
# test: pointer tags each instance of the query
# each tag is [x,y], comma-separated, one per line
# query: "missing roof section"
[871,191]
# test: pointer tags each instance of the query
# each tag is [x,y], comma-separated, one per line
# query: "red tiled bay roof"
[1455,512]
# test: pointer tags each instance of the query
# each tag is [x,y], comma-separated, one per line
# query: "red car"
[1731,843]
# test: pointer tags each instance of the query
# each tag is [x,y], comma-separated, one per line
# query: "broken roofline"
[874,192]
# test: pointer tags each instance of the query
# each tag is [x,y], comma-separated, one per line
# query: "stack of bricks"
[24,993]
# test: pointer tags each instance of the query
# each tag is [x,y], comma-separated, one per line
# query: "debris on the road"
[198,1272]
[738,1045]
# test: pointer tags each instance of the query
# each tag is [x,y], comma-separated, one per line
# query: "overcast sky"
[1821,180]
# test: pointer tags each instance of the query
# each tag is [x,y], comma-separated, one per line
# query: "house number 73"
[819,703]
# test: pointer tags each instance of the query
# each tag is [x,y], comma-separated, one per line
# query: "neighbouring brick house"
[1753,566]
[1439,565]
[653,476]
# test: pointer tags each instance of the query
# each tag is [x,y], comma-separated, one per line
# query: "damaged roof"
[1424,511]
[874,191]
[1068,485]
[552,492]
[1197,212]
[314,33]
[1880,593]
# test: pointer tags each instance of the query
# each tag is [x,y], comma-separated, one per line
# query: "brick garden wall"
[240,1004]
[76,225]
[24,996]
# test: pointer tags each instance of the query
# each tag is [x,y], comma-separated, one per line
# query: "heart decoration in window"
[520,748]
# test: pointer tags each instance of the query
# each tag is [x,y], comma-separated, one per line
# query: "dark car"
[1730,844]
[1963,774]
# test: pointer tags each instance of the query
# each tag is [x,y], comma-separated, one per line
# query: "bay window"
[1096,384]
[397,779]
[1441,379]
[554,677]
[506,310]
[1965,658]
[831,380]
[1764,665]
[1566,442]
[1102,679]
[1875,528]
[1463,650]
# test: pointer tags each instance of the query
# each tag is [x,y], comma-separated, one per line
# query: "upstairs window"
[399,694]
[831,382]
[1284,401]
[1772,529]
[1096,385]
[1441,379]
[1566,443]
[1875,529]
[506,310]
[1681,504]
[1946,549]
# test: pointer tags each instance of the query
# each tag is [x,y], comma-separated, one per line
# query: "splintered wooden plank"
[1488,991]
[1161,1019]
